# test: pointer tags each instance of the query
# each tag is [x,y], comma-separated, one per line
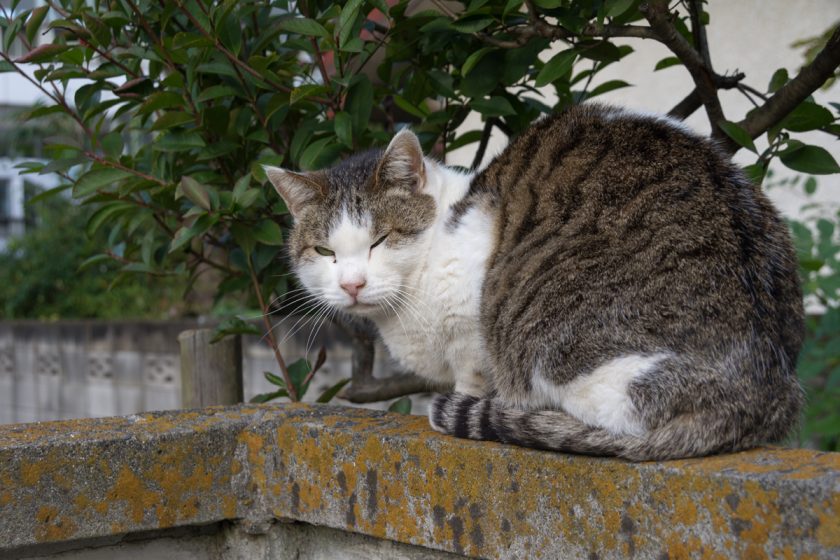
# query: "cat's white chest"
[437,333]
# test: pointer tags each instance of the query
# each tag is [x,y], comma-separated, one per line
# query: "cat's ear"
[296,189]
[402,164]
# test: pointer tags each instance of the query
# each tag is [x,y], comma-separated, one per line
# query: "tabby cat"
[610,284]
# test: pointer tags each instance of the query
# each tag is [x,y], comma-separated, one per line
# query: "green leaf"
[95,179]
[187,233]
[615,8]
[559,65]
[779,78]
[493,107]
[807,116]
[33,24]
[265,397]
[401,406]
[274,379]
[99,30]
[409,107]
[197,193]
[104,214]
[178,141]
[738,134]
[319,154]
[474,59]
[359,103]
[607,86]
[755,173]
[330,393]
[667,62]
[472,24]
[465,139]
[297,374]
[233,325]
[172,119]
[112,144]
[600,51]
[244,237]
[303,26]
[161,100]
[268,233]
[43,53]
[347,20]
[343,124]
[214,92]
[809,159]
[95,259]
[230,33]
[304,91]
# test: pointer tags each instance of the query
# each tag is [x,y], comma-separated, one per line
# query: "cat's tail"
[688,435]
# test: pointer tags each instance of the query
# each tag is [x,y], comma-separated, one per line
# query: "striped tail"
[688,435]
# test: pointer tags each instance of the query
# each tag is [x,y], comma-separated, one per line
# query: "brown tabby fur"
[620,234]
[615,235]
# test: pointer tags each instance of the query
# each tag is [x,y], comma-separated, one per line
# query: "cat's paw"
[449,414]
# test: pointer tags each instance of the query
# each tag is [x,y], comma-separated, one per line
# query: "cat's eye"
[324,251]
[379,241]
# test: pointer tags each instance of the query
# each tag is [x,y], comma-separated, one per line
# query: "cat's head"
[360,225]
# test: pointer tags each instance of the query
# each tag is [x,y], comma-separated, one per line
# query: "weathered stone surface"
[390,476]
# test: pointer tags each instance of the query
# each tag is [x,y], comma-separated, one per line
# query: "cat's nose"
[352,287]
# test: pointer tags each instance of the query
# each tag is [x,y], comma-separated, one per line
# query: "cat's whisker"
[313,335]
[286,295]
[410,304]
[404,302]
[307,319]
[309,301]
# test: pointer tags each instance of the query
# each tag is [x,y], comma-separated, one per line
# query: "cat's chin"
[363,309]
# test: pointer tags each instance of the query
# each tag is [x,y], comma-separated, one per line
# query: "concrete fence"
[303,481]
[75,369]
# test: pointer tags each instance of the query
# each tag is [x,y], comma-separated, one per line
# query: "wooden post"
[210,373]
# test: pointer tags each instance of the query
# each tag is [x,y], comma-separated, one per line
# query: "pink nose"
[353,287]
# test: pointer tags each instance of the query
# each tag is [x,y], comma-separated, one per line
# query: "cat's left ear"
[402,165]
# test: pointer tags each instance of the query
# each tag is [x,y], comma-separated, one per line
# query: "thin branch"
[660,19]
[687,106]
[290,388]
[482,145]
[789,96]
[692,102]
[121,167]
[698,31]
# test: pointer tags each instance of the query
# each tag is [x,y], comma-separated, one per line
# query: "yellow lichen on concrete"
[390,476]
[828,530]
[51,526]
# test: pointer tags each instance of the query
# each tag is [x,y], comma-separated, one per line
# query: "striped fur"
[610,284]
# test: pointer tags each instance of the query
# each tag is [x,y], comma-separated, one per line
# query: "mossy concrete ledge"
[391,477]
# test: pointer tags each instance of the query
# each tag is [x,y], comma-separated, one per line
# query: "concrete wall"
[83,369]
[355,482]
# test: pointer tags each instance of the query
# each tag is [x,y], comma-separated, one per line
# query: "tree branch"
[366,388]
[660,19]
[387,388]
[692,102]
[781,103]
[482,145]
[698,31]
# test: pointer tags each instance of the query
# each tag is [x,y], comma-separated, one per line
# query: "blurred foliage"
[817,240]
[181,103]
[40,276]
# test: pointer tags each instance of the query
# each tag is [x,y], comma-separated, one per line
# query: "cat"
[610,284]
